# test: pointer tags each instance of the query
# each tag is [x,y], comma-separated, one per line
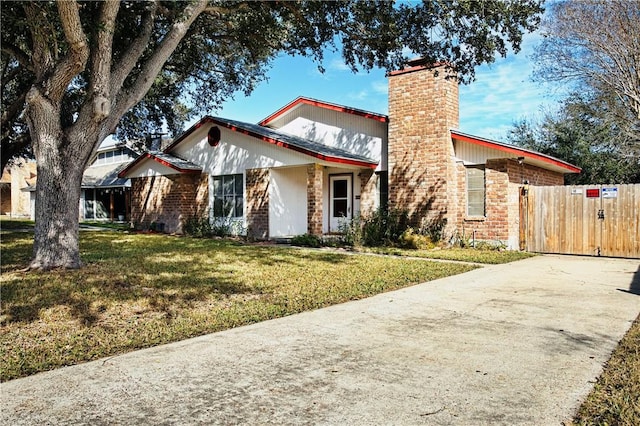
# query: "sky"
[502,94]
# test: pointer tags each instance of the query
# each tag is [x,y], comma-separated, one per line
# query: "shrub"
[380,228]
[434,229]
[197,227]
[384,227]
[411,240]
[306,240]
[351,231]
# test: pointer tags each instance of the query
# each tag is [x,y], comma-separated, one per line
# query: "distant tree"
[580,132]
[88,67]
[594,47]
[595,44]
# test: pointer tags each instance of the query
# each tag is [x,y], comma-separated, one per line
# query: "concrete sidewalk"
[510,344]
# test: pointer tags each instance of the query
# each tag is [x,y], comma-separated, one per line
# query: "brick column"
[257,199]
[314,199]
[367,191]
[423,107]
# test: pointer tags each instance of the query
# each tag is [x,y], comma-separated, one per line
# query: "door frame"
[349,177]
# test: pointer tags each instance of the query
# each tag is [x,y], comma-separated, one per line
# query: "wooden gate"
[596,220]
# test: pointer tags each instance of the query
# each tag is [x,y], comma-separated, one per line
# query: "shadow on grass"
[159,272]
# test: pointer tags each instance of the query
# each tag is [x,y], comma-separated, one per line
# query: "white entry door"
[340,200]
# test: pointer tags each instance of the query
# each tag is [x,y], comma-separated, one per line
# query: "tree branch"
[18,54]
[129,59]
[41,58]
[11,113]
[76,59]
[152,67]
[101,60]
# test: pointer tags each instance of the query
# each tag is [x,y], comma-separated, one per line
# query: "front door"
[340,200]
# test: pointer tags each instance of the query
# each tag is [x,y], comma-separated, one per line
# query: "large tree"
[593,47]
[581,132]
[80,69]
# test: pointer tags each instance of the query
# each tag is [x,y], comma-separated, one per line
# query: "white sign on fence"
[609,192]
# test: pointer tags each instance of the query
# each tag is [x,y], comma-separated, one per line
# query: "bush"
[380,228]
[434,229]
[351,232]
[409,239]
[306,240]
[197,227]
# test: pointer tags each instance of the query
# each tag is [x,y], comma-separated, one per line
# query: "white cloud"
[358,96]
[380,87]
[337,64]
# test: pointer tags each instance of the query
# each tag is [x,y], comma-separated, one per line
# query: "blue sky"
[502,93]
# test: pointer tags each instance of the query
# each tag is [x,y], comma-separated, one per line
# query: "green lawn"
[140,290]
[458,254]
[10,224]
[615,399]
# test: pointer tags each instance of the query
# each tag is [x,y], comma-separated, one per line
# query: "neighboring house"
[312,164]
[15,202]
[104,196]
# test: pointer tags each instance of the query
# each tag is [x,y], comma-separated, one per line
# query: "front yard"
[141,290]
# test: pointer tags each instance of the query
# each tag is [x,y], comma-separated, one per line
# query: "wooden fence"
[596,220]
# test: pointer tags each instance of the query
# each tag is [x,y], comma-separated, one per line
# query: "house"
[312,164]
[16,176]
[104,195]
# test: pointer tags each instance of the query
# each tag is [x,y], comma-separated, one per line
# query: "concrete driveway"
[511,344]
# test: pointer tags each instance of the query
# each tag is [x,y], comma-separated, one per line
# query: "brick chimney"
[423,107]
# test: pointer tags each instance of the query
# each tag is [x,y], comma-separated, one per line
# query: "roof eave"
[547,159]
[148,155]
[321,104]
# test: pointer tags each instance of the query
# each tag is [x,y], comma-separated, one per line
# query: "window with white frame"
[120,155]
[476,190]
[228,196]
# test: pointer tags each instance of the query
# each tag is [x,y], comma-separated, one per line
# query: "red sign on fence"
[593,193]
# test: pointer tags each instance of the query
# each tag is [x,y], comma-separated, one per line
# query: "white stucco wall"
[288,201]
[351,132]
[349,139]
[148,168]
[235,153]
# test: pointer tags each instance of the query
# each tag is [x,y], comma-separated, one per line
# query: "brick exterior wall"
[422,174]
[257,199]
[368,191]
[168,199]
[314,199]
[503,180]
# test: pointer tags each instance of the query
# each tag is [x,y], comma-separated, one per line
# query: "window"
[119,155]
[475,191]
[227,196]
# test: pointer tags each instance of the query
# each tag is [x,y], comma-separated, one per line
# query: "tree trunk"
[61,158]
[56,239]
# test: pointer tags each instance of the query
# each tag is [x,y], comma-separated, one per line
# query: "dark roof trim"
[326,105]
[165,161]
[456,134]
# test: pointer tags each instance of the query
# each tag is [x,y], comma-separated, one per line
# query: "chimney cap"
[419,64]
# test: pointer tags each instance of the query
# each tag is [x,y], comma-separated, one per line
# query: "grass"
[458,254]
[10,224]
[615,398]
[141,290]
